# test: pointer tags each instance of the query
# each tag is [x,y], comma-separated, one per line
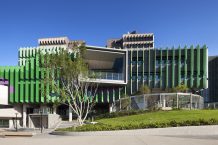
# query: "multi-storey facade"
[162,69]
[24,88]
[213,79]
[122,71]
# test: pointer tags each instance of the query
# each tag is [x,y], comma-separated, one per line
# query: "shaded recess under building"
[213,79]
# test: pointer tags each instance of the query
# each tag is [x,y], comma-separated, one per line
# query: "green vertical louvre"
[143,66]
[113,95]
[20,52]
[21,91]
[1,72]
[37,91]
[11,82]
[131,71]
[119,93]
[173,68]
[42,72]
[198,66]
[102,96]
[154,78]
[42,94]
[30,52]
[16,86]
[96,98]
[32,65]
[108,96]
[22,68]
[167,68]
[37,66]
[137,71]
[27,69]
[179,67]
[52,88]
[32,94]
[6,73]
[27,52]
[192,67]
[58,83]
[185,61]
[205,66]
[149,67]
[27,91]
[47,87]
[161,54]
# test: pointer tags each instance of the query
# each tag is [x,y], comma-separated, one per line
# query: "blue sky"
[174,22]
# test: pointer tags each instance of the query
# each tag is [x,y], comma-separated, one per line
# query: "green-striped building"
[122,71]
[166,68]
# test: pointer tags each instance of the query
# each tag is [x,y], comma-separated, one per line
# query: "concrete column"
[11,124]
[177,100]
[164,102]
[70,114]
[191,102]
[54,110]
[24,116]
[111,107]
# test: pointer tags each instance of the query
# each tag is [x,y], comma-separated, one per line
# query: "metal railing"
[106,75]
[160,101]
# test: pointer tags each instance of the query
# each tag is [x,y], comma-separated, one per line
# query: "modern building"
[22,88]
[123,66]
[133,40]
[213,79]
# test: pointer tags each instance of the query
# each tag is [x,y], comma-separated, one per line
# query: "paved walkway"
[133,137]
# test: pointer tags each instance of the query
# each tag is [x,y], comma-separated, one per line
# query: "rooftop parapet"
[53,41]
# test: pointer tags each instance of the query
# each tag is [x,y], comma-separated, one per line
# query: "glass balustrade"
[106,75]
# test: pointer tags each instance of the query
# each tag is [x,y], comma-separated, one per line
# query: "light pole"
[41,120]
[16,121]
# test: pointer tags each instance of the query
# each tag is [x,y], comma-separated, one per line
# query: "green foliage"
[66,73]
[158,119]
[180,88]
[62,70]
[144,89]
[120,114]
[173,123]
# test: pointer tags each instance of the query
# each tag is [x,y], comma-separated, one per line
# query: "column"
[164,102]
[54,109]
[24,117]
[111,107]
[70,114]
[177,100]
[191,101]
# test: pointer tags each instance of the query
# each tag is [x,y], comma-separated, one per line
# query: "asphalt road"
[111,140]
[199,135]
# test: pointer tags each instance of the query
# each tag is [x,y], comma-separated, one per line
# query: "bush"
[122,113]
[173,123]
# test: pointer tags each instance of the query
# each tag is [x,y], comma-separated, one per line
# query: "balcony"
[107,77]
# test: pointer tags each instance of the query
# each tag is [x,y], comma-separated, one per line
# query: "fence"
[213,105]
[165,101]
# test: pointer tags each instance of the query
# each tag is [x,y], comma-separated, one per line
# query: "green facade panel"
[192,68]
[157,67]
[198,66]
[173,68]
[179,67]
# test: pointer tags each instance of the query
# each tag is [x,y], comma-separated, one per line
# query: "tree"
[181,88]
[67,74]
[144,89]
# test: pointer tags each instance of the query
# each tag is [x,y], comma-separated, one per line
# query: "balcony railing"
[106,75]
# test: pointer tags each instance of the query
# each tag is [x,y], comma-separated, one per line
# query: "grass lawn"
[154,120]
[162,116]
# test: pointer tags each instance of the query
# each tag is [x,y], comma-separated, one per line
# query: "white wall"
[3,95]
